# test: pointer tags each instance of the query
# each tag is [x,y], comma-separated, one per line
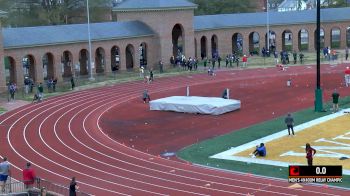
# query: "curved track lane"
[63,137]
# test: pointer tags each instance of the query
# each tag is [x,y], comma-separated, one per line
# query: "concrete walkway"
[12,105]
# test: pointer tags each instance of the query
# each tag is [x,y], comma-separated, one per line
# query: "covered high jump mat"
[196,105]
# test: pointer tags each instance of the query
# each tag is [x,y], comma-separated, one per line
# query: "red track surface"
[82,134]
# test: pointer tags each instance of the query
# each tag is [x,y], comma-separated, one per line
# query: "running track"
[63,137]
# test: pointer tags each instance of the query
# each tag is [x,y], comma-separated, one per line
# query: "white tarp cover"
[194,104]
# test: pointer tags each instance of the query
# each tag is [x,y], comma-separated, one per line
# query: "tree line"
[56,12]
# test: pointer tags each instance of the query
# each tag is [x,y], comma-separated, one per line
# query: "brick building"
[145,32]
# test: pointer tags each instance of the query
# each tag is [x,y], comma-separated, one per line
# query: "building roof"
[132,5]
[63,34]
[223,21]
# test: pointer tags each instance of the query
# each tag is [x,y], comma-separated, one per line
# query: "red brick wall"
[162,22]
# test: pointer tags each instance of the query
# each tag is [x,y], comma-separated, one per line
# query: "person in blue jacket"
[259,151]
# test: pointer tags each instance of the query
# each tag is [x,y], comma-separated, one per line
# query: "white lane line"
[98,121]
[153,169]
[20,155]
[94,159]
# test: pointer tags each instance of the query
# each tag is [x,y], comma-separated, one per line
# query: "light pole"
[91,77]
[268,27]
[318,91]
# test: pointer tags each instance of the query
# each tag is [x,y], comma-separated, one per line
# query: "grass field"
[199,153]
[2,110]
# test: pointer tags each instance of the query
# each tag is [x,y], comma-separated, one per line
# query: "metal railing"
[39,186]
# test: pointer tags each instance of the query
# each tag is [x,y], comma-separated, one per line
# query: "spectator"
[13,89]
[245,60]
[161,65]
[73,187]
[346,53]
[28,176]
[41,91]
[43,191]
[211,72]
[290,123]
[295,57]
[146,98]
[72,82]
[259,151]
[335,97]
[142,72]
[301,57]
[26,85]
[347,76]
[50,85]
[151,77]
[54,84]
[225,94]
[4,173]
[310,152]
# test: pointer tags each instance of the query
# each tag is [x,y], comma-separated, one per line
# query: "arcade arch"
[100,60]
[204,49]
[115,58]
[143,54]
[287,40]
[321,38]
[83,61]
[254,43]
[272,41]
[195,48]
[28,62]
[66,60]
[214,46]
[178,40]
[10,70]
[237,43]
[335,38]
[48,66]
[348,36]
[129,55]
[303,40]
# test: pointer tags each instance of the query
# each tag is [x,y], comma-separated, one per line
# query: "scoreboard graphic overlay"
[315,174]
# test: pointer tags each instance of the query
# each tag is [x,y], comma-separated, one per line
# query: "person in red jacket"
[347,76]
[28,176]
[310,152]
[245,60]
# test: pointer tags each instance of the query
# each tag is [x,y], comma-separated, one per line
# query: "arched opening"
[28,63]
[204,50]
[83,61]
[254,43]
[115,58]
[214,46]
[100,60]
[129,55]
[321,38]
[195,48]
[143,55]
[272,41]
[303,40]
[237,43]
[10,70]
[287,40]
[178,40]
[335,38]
[68,68]
[348,36]
[48,66]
